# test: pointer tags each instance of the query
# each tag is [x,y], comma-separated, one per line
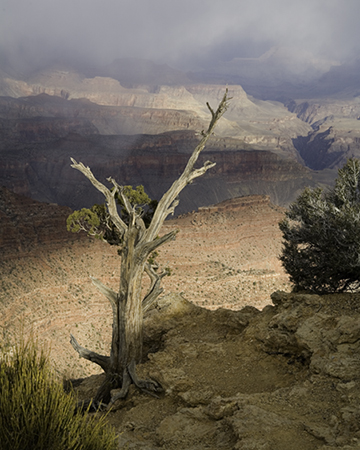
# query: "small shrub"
[36,413]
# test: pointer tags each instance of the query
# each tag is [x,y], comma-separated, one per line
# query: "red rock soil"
[223,256]
[227,255]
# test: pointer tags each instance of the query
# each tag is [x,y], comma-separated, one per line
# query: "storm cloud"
[185,33]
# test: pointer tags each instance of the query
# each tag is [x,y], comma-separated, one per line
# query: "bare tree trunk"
[138,242]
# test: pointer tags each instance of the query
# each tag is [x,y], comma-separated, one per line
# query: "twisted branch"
[109,293]
[109,195]
[155,290]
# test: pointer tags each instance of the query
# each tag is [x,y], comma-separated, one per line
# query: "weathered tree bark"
[138,242]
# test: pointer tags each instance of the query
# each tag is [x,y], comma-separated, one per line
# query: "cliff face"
[42,169]
[335,134]
[246,118]
[107,120]
[143,135]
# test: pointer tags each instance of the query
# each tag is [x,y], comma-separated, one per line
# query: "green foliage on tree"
[36,413]
[321,232]
[96,220]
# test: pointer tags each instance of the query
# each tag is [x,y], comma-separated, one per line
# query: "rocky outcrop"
[324,331]
[316,110]
[285,377]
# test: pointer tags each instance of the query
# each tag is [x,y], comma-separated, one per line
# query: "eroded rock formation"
[336,131]
[143,133]
[40,168]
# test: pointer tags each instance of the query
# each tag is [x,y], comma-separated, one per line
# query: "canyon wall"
[144,134]
[335,134]
[42,170]
[246,117]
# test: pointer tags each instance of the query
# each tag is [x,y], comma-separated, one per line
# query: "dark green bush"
[36,413]
[321,232]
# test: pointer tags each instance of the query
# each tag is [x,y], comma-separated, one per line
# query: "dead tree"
[138,242]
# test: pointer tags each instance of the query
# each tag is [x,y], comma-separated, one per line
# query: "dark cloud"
[182,32]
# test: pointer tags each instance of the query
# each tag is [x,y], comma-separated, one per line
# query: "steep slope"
[227,254]
[27,225]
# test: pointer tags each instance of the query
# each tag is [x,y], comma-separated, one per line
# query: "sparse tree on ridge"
[321,232]
[137,242]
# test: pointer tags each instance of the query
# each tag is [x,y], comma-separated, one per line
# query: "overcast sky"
[180,32]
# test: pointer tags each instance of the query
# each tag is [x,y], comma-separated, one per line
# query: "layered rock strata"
[336,131]
[42,170]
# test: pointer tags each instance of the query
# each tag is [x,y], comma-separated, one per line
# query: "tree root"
[112,381]
[150,387]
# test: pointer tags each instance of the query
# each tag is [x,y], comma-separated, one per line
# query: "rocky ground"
[286,377]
